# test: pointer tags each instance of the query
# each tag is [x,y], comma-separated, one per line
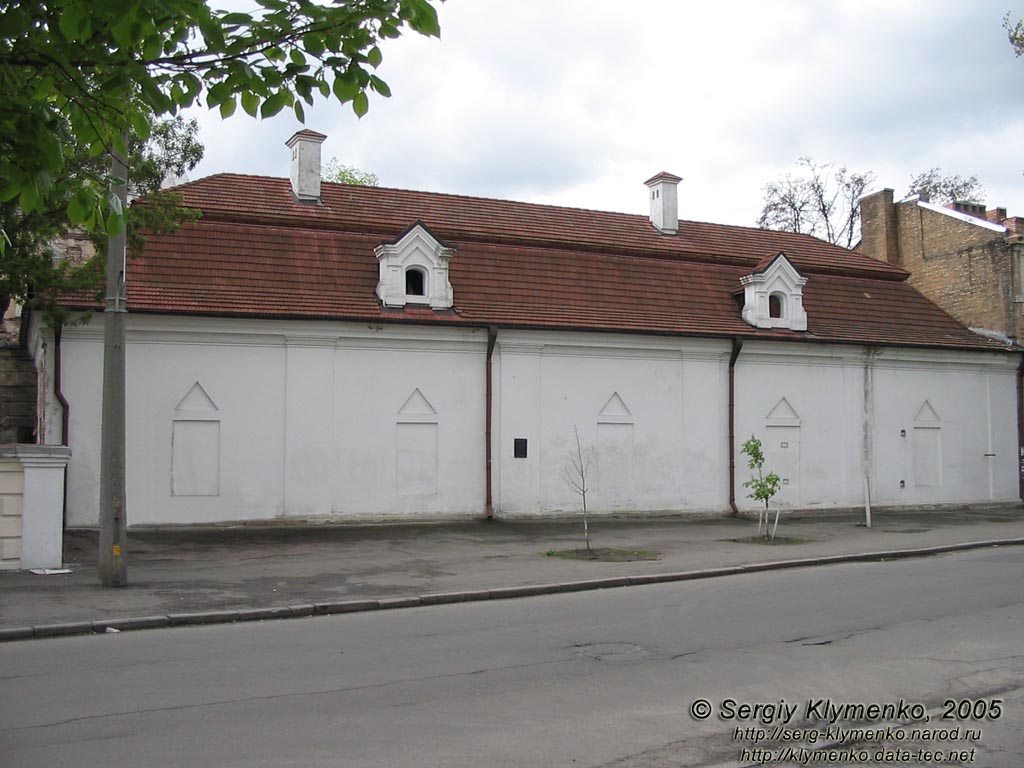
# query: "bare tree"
[821,200]
[938,188]
[1015,33]
[576,476]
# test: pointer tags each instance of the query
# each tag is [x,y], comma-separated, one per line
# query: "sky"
[578,102]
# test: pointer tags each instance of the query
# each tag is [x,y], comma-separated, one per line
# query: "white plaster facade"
[232,419]
[32,505]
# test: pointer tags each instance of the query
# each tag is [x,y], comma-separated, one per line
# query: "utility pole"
[113,516]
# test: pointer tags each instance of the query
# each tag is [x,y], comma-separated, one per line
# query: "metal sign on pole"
[113,515]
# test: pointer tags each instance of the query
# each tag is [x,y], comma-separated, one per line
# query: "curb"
[446,598]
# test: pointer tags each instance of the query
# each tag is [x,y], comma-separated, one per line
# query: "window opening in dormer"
[776,305]
[415,282]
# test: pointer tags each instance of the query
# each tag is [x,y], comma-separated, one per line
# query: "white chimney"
[664,202]
[305,171]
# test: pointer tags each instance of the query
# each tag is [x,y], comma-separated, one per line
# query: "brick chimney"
[878,235]
[971,209]
[664,202]
[305,166]
[996,215]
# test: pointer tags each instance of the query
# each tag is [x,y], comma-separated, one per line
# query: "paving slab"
[202,574]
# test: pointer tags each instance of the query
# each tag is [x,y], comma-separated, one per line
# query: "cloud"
[577,102]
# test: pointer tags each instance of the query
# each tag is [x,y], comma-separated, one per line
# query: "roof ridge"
[550,206]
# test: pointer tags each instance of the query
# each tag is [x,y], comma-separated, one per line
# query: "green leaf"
[140,124]
[380,86]
[374,57]
[115,224]
[344,90]
[314,44]
[152,47]
[274,104]
[300,113]
[250,103]
[425,19]
[78,210]
[236,19]
[360,104]
[72,20]
[227,107]
[28,199]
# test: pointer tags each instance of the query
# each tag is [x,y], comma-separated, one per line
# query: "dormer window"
[415,282]
[773,295]
[414,270]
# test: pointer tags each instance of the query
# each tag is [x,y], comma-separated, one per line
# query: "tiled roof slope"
[263,200]
[256,252]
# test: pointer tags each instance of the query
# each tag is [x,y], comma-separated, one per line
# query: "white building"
[323,350]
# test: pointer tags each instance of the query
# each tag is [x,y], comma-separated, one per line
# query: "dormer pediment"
[414,270]
[773,295]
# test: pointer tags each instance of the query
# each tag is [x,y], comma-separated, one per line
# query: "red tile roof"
[258,252]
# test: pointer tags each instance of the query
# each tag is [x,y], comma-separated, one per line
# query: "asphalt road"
[588,679]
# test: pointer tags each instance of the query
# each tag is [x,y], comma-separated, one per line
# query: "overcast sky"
[577,102]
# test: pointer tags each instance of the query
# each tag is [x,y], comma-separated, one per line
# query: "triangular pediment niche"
[196,399]
[783,414]
[417,405]
[927,414]
[420,252]
[615,408]
[773,296]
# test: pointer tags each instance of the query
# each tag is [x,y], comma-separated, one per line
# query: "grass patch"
[778,541]
[605,554]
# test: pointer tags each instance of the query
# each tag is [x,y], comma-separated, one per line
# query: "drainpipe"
[492,337]
[737,345]
[867,449]
[65,410]
[64,407]
[1020,428]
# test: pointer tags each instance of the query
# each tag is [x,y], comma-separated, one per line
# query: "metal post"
[113,515]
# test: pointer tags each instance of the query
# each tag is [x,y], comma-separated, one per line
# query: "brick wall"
[966,269]
[971,271]
[17,396]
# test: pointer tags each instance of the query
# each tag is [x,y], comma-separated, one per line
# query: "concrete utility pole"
[113,516]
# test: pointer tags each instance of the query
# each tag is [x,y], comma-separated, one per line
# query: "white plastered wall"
[368,421]
[246,420]
[650,414]
[806,403]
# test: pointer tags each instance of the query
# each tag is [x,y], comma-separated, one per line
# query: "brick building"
[966,259]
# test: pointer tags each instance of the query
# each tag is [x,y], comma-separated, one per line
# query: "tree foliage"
[32,274]
[348,174]
[763,487]
[84,75]
[938,188]
[821,200]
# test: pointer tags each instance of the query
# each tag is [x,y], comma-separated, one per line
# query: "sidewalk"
[211,574]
